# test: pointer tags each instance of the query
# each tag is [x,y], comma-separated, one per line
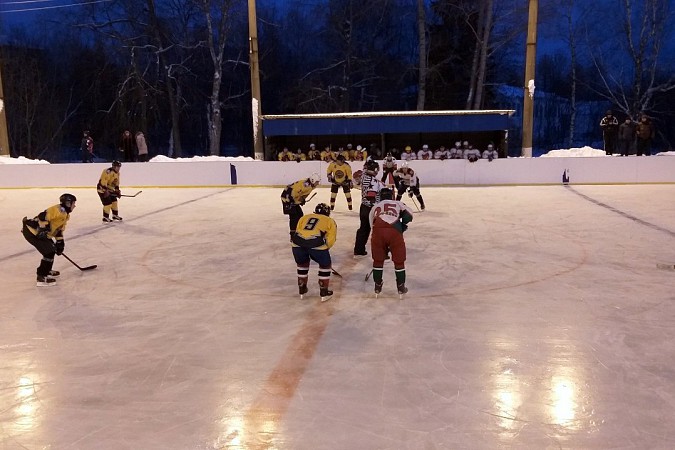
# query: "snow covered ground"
[536,319]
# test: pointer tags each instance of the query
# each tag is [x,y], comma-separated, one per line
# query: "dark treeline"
[179,72]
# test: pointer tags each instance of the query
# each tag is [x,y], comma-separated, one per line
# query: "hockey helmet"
[372,167]
[67,201]
[425,147]
[341,158]
[314,179]
[386,194]
[116,163]
[323,209]
[408,148]
[404,165]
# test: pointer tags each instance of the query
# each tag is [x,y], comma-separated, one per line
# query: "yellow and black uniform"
[45,233]
[108,189]
[340,175]
[294,196]
[314,235]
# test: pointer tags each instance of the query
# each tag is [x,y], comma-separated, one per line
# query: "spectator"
[374,151]
[141,146]
[610,129]
[87,147]
[442,153]
[126,146]
[626,137]
[472,154]
[490,153]
[645,134]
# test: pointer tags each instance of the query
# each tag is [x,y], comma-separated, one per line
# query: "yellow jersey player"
[45,233]
[108,189]
[340,175]
[314,236]
[294,196]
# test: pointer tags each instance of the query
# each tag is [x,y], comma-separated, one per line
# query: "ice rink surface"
[536,319]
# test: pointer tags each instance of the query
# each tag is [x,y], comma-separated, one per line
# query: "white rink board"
[511,171]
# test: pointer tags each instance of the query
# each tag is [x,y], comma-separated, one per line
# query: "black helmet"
[372,167]
[386,194]
[341,158]
[322,208]
[66,201]
[116,163]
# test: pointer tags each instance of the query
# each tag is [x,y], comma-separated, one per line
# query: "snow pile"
[162,158]
[21,160]
[574,152]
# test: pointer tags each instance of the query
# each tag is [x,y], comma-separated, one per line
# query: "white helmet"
[315,179]
[457,144]
[425,146]
[404,165]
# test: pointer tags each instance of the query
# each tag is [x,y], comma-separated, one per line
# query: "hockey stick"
[75,264]
[368,275]
[413,200]
[336,273]
[310,197]
[665,266]
[122,195]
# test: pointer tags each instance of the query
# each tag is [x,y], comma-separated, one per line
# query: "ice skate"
[302,289]
[45,281]
[378,288]
[106,220]
[116,217]
[326,294]
[402,290]
[54,273]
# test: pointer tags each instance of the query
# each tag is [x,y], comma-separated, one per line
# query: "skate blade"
[302,296]
[326,298]
[665,266]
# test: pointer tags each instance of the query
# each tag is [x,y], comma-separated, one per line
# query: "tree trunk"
[485,30]
[422,74]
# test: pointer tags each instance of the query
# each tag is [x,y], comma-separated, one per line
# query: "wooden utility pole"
[4,133]
[528,98]
[256,103]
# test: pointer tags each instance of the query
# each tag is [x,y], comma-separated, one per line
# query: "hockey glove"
[60,246]
[330,177]
[410,193]
[118,193]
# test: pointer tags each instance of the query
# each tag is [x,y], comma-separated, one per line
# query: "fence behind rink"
[187,173]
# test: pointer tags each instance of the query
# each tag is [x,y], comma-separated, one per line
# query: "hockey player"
[294,196]
[389,219]
[388,168]
[340,176]
[286,155]
[370,188]
[442,153]
[313,238]
[490,153]
[425,153]
[408,154]
[108,189]
[470,153]
[45,233]
[406,179]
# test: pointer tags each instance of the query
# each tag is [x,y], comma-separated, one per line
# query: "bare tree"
[645,26]
[423,55]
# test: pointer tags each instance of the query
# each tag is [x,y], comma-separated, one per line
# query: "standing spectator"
[294,196]
[626,137]
[126,146]
[314,236]
[45,233]
[389,218]
[425,153]
[490,153]
[340,176]
[142,147]
[108,189]
[610,129]
[374,151]
[87,147]
[645,134]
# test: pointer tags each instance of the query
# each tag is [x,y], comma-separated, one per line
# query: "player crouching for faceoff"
[314,236]
[108,189]
[389,219]
[294,196]
[45,233]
